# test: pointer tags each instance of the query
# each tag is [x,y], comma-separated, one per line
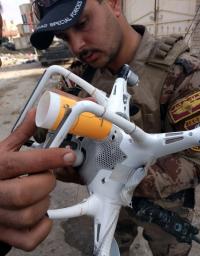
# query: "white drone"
[112,154]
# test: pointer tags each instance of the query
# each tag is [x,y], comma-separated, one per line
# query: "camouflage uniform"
[167,99]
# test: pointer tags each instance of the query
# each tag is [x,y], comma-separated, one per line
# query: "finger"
[14,164]
[68,174]
[26,239]
[21,134]
[24,218]
[90,99]
[26,190]
[68,95]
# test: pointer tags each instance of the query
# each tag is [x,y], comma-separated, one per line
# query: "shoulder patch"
[192,123]
[185,107]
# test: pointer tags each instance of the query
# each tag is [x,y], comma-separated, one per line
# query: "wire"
[192,24]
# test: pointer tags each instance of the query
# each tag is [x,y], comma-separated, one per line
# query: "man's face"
[96,38]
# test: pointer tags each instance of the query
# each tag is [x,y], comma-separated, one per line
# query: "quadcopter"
[112,153]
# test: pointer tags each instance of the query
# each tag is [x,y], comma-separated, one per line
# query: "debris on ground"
[10,58]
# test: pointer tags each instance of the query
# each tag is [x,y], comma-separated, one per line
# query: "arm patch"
[185,107]
[185,114]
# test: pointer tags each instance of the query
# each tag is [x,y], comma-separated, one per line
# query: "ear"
[115,5]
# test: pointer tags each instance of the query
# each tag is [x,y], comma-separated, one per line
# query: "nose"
[76,42]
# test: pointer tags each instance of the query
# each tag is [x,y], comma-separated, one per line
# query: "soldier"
[166,100]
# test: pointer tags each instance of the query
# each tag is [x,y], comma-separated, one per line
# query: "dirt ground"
[67,238]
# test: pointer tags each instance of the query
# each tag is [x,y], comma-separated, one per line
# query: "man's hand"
[25,183]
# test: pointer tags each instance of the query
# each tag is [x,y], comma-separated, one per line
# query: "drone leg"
[105,225]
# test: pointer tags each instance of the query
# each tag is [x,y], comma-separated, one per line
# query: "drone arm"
[169,143]
[87,207]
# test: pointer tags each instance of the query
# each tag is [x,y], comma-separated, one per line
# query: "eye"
[61,36]
[82,23]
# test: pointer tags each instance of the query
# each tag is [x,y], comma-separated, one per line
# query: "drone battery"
[52,107]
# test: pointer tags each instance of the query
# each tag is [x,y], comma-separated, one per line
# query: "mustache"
[86,52]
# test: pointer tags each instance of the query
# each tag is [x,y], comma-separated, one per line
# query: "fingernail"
[69,157]
[68,147]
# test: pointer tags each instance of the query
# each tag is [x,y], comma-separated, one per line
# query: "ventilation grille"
[108,154]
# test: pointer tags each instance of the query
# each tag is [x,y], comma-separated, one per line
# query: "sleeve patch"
[185,107]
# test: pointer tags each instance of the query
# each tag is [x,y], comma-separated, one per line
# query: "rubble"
[10,58]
